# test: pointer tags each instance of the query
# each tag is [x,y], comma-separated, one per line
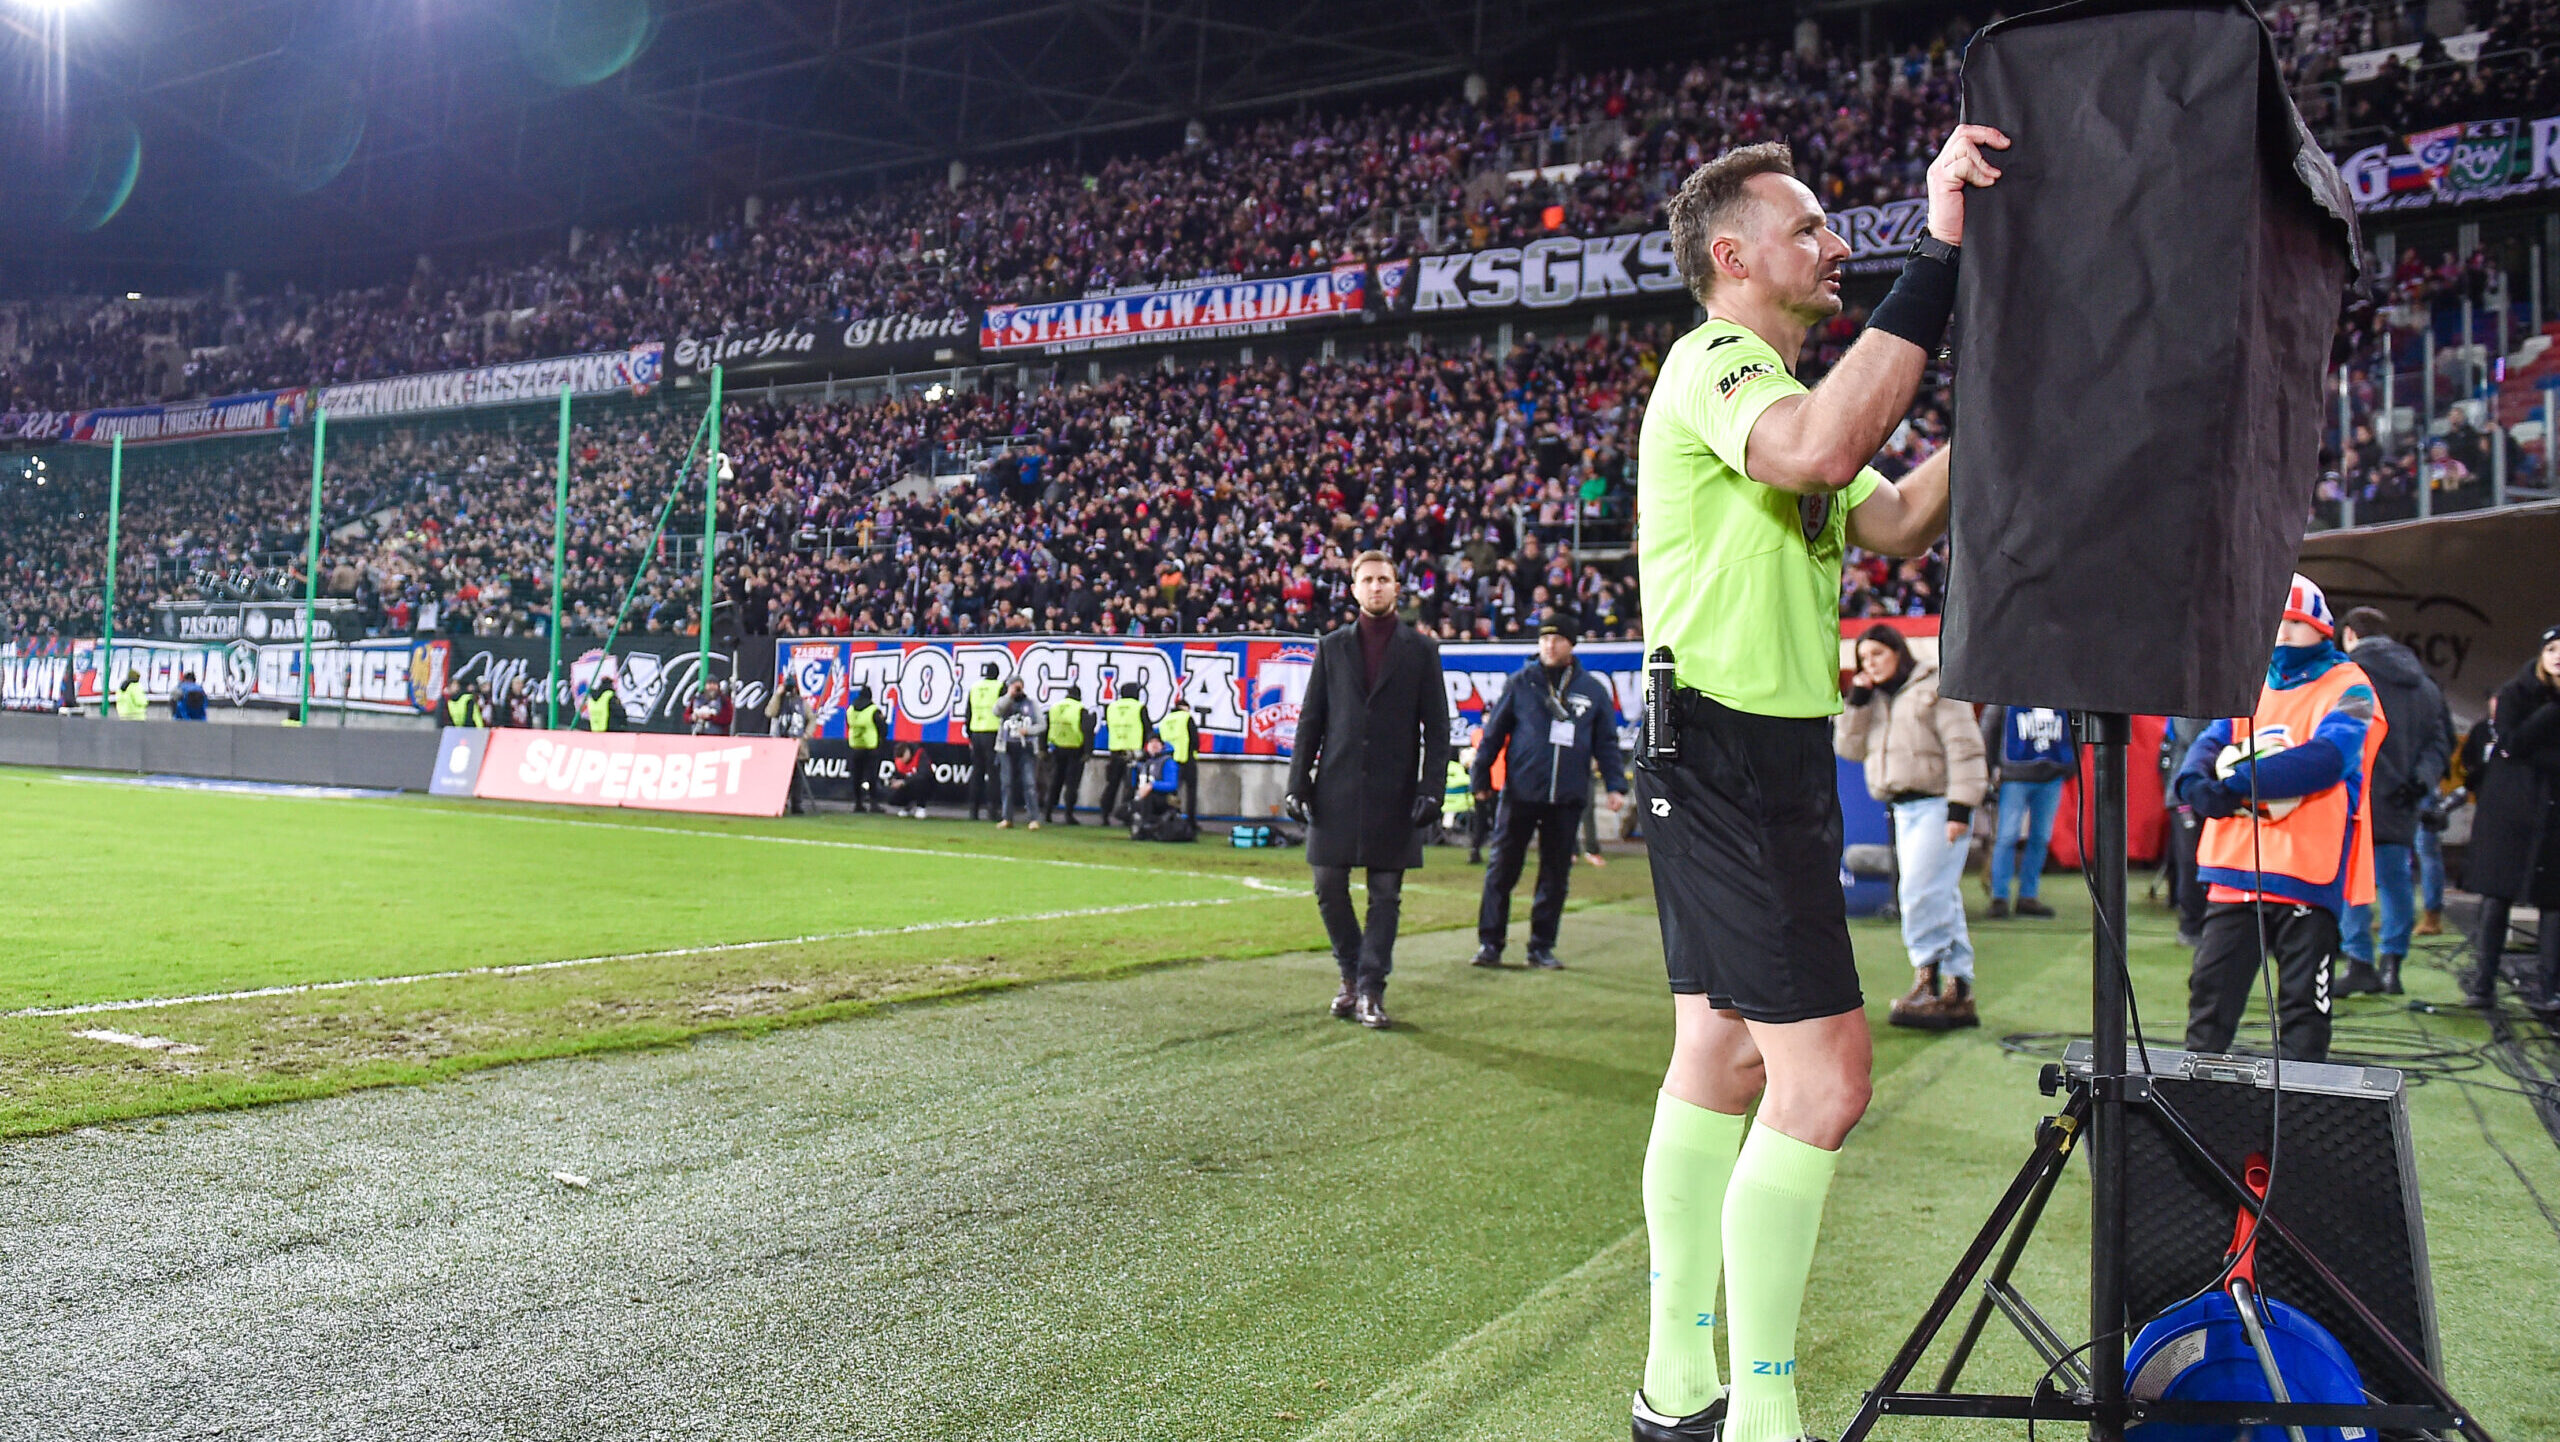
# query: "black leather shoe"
[1369,1009]
[1701,1426]
[1487,955]
[1343,1002]
[2480,987]
[2360,980]
[1544,958]
[2389,967]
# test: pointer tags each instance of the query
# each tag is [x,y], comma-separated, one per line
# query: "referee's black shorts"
[1744,836]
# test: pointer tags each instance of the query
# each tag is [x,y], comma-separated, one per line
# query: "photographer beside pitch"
[1749,489]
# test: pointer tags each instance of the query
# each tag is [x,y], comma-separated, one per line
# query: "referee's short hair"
[1711,200]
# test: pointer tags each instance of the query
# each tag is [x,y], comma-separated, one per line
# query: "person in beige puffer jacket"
[1923,756]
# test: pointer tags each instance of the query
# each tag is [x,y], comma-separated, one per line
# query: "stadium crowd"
[1584,153]
[1213,499]
[1217,499]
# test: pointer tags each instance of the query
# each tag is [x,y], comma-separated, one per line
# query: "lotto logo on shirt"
[1741,376]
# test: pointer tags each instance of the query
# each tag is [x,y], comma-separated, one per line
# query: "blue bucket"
[2199,1353]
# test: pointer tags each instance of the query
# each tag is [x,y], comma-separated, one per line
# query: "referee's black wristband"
[1919,304]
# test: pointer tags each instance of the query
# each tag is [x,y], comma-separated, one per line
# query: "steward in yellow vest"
[865,727]
[1182,743]
[132,702]
[1126,720]
[461,708]
[984,788]
[600,705]
[984,693]
[1070,737]
[2288,833]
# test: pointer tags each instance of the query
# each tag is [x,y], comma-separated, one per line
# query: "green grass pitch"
[1281,1227]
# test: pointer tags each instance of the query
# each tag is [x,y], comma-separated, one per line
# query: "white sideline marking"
[274,790]
[470,812]
[1486,1359]
[147,1043]
[820,841]
[521,968]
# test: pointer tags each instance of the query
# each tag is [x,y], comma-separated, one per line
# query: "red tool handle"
[2244,1241]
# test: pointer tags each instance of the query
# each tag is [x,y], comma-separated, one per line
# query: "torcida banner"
[649,771]
[1243,691]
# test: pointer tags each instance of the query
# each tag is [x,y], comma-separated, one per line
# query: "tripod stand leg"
[2054,1140]
[2018,1238]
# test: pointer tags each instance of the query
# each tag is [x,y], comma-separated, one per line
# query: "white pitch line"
[146,1043]
[820,841]
[521,968]
[471,812]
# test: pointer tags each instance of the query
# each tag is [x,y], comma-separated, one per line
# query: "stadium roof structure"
[177,138]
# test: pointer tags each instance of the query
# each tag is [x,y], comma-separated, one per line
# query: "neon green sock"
[1686,1167]
[1772,1215]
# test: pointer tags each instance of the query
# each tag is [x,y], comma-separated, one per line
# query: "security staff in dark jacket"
[2405,772]
[1365,776]
[1551,723]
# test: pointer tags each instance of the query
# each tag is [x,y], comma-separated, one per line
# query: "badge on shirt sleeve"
[1813,513]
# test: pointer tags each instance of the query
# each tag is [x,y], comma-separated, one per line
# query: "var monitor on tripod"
[2142,323]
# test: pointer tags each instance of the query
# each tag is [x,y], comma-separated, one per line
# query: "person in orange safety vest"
[2288,836]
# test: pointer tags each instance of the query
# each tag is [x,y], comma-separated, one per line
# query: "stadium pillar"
[2426,418]
[559,558]
[2388,433]
[115,514]
[710,530]
[311,558]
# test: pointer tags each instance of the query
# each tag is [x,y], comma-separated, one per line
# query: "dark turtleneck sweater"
[1375,633]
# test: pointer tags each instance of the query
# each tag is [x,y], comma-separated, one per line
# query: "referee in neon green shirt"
[1749,487]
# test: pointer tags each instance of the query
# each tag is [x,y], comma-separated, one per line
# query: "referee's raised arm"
[1773,266]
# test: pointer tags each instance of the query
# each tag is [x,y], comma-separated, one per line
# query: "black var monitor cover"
[2143,318]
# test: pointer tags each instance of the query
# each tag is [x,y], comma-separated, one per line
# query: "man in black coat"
[1367,774]
[2415,748]
[2515,838]
[1552,722]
